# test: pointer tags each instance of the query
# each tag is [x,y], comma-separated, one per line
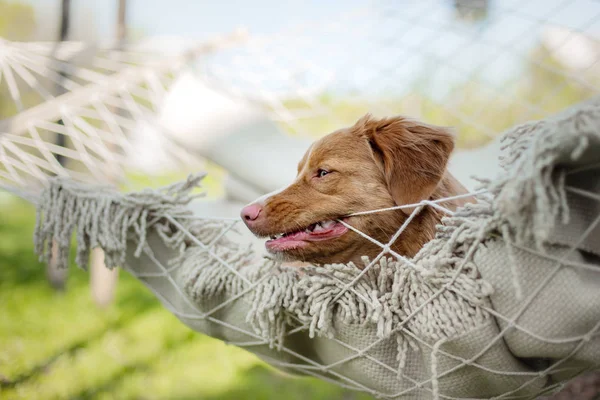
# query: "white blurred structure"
[231,132]
[576,51]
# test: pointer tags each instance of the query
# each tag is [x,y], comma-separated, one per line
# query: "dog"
[374,164]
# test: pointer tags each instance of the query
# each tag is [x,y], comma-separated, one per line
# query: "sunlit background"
[271,75]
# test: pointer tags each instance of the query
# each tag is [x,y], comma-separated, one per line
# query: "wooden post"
[103,281]
[56,276]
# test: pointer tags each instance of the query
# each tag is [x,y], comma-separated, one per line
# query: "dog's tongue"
[302,238]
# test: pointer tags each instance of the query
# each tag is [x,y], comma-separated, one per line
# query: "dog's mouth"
[317,232]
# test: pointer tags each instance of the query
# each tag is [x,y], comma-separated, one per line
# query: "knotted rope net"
[501,304]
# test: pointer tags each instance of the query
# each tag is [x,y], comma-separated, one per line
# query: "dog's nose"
[250,213]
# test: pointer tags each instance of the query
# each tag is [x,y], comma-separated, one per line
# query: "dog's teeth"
[319,228]
[327,224]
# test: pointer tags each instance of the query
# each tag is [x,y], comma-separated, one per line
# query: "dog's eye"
[321,173]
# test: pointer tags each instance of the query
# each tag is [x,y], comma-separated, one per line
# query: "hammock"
[503,303]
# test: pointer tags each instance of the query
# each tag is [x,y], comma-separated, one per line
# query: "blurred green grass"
[59,345]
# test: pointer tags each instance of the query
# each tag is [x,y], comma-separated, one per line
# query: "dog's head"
[377,163]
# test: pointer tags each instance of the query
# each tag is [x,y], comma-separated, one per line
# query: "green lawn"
[59,345]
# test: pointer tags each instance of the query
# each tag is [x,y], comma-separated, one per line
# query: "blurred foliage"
[471,10]
[59,345]
[478,110]
[551,87]
[17,20]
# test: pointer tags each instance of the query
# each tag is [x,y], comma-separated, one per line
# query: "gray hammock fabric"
[503,303]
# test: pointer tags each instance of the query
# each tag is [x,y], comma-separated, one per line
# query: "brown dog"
[377,163]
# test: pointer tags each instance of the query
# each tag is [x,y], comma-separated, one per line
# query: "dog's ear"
[411,155]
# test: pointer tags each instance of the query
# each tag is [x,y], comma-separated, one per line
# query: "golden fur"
[377,163]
